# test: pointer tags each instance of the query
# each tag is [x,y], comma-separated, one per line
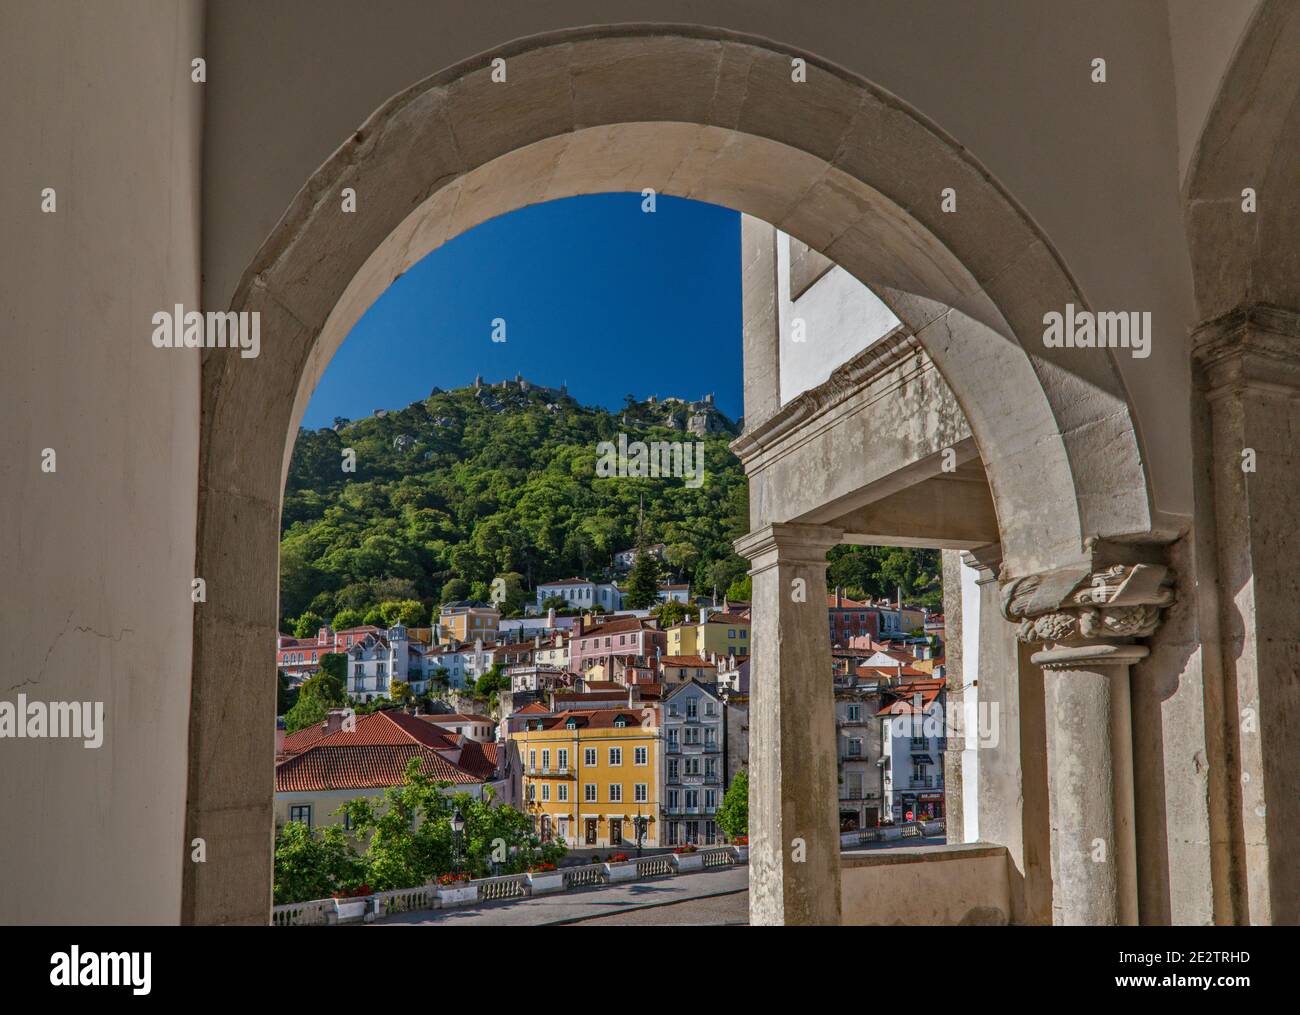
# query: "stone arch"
[1251,139]
[835,161]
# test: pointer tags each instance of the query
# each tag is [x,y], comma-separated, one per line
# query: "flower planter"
[350,910]
[624,870]
[684,862]
[459,894]
[545,881]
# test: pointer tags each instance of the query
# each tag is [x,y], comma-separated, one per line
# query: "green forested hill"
[470,484]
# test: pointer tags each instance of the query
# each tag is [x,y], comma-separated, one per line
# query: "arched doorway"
[771,132]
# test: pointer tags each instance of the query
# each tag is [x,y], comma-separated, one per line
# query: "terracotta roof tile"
[329,766]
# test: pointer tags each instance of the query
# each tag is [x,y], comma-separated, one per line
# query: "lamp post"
[457,832]
[640,831]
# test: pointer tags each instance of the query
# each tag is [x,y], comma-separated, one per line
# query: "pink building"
[596,642]
[300,657]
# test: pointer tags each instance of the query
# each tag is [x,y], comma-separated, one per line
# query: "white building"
[913,739]
[378,659]
[692,769]
[582,594]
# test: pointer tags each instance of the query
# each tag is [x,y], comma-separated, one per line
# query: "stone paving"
[710,895]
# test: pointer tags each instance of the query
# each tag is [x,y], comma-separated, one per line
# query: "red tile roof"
[456,717]
[596,718]
[296,743]
[391,727]
[479,760]
[329,766]
[727,618]
[684,661]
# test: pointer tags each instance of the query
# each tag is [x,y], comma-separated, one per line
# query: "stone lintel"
[1090,656]
[1255,347]
[784,543]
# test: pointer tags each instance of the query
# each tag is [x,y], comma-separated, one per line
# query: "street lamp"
[640,832]
[457,832]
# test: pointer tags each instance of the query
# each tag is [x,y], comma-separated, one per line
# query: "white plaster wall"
[97,558]
[840,315]
[970,663]
[1205,35]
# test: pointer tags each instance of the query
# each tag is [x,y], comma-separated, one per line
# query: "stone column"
[1088,622]
[1012,752]
[794,852]
[1247,372]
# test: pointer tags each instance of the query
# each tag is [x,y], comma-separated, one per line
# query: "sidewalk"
[588,903]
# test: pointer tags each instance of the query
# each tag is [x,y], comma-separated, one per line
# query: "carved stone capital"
[1073,605]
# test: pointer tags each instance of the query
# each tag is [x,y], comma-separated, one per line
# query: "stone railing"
[724,857]
[578,877]
[652,866]
[889,833]
[403,900]
[303,914]
[507,886]
[510,886]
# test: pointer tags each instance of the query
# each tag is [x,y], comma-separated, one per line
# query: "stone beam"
[951,512]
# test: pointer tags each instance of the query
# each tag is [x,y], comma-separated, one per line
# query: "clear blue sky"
[594,292]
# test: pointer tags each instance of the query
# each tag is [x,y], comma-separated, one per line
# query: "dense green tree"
[643,582]
[314,864]
[733,815]
[670,613]
[335,666]
[407,838]
[741,590]
[308,624]
[498,481]
[308,710]
[285,695]
[409,612]
[454,591]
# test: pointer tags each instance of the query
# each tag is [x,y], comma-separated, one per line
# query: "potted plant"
[741,845]
[687,858]
[544,877]
[351,904]
[456,889]
[620,868]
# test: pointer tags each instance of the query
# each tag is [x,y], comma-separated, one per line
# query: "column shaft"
[794,855]
[1090,778]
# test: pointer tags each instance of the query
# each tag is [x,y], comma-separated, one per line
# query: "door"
[616,831]
[590,837]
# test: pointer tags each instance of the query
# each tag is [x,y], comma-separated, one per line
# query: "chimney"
[279,739]
[550,619]
[839,598]
[704,615]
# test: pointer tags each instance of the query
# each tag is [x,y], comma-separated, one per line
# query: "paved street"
[714,896]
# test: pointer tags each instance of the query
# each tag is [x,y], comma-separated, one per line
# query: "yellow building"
[590,775]
[723,633]
[467,621]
